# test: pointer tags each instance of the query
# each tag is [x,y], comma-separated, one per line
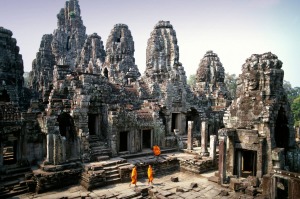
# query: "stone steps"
[17,170]
[12,188]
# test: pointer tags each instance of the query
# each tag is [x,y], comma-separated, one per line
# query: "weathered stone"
[193,185]
[179,189]
[174,179]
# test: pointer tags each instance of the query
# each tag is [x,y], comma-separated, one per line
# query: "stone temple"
[89,114]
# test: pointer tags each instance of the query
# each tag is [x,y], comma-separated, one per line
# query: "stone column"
[49,157]
[222,158]
[204,138]
[63,148]
[212,145]
[190,135]
[239,163]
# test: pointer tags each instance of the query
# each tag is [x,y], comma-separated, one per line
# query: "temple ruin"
[89,112]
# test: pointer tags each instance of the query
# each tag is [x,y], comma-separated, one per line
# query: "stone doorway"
[123,144]
[94,124]
[246,161]
[175,121]
[146,139]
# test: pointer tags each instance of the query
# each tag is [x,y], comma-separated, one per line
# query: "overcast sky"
[234,29]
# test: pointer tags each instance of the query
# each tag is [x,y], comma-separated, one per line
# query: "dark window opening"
[123,141]
[146,139]
[4,97]
[105,72]
[118,40]
[68,43]
[9,152]
[281,130]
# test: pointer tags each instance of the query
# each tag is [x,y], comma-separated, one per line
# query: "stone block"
[174,179]
[235,184]
[179,189]
[214,179]
[193,185]
[266,184]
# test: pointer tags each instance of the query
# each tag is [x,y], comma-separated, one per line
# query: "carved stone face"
[253,81]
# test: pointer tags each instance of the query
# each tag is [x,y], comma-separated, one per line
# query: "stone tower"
[92,55]
[210,81]
[69,37]
[119,64]
[162,52]
[259,122]
[42,69]
[11,70]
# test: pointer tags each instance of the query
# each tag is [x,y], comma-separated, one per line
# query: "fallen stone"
[174,179]
[179,189]
[213,179]
[235,184]
[193,185]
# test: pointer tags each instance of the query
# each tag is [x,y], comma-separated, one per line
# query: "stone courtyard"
[89,115]
[189,185]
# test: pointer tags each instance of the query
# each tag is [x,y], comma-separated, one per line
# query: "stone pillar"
[49,157]
[212,145]
[63,148]
[190,135]
[239,163]
[259,164]
[222,159]
[204,138]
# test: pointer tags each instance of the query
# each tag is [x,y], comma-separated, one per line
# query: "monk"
[150,175]
[133,176]
[156,151]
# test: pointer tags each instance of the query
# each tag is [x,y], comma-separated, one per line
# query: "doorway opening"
[146,139]
[123,146]
[175,121]
[93,124]
[246,163]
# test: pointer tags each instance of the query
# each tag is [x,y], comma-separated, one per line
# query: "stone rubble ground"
[189,186]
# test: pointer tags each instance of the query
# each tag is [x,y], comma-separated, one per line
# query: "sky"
[234,29]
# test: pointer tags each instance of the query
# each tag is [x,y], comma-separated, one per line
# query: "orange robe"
[156,150]
[150,174]
[133,176]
